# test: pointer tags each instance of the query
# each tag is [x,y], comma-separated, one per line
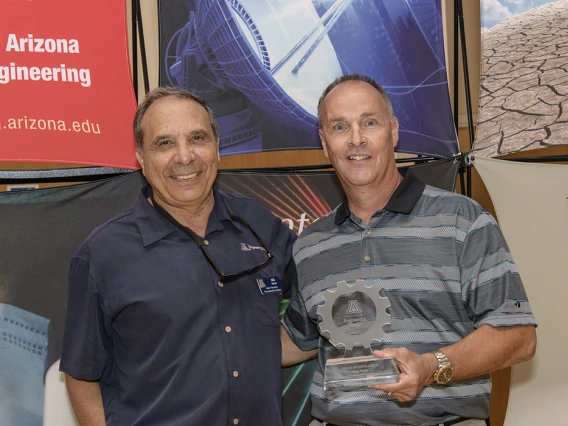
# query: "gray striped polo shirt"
[446,269]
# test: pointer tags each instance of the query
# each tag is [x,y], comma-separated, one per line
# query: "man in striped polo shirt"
[458,305]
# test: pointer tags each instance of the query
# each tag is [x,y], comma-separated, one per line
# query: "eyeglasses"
[224,278]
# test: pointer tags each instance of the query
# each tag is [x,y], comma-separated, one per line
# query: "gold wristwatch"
[444,372]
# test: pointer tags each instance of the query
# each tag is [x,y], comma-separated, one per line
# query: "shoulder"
[318,231]
[108,234]
[259,217]
[246,207]
[323,224]
[439,201]
[440,207]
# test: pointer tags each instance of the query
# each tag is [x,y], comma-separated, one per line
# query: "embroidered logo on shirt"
[248,247]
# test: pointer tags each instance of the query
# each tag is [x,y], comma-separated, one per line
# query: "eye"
[163,143]
[339,127]
[200,138]
[370,122]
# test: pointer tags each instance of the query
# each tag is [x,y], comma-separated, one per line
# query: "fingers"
[403,391]
[379,354]
[409,383]
[401,395]
[398,353]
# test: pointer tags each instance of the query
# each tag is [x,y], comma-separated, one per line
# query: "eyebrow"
[195,132]
[362,115]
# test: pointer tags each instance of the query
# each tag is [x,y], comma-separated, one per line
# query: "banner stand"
[459,27]
[90,174]
[138,28]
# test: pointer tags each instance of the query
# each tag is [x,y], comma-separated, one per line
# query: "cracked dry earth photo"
[524,82]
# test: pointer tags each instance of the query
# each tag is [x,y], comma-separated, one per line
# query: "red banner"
[66,94]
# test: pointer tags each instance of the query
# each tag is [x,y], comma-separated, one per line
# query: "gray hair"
[161,93]
[355,77]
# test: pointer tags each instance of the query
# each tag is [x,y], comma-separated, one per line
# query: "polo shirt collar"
[402,200]
[218,214]
[153,226]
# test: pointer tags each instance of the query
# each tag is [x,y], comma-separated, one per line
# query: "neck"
[365,202]
[194,218]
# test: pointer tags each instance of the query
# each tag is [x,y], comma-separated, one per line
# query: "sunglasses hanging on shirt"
[225,278]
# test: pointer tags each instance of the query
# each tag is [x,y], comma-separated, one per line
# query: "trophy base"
[359,372]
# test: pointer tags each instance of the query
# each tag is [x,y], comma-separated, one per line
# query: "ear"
[323,144]
[394,131]
[218,145]
[140,158]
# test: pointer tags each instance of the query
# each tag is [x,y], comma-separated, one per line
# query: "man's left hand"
[415,371]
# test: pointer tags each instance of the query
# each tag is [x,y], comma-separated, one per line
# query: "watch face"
[444,374]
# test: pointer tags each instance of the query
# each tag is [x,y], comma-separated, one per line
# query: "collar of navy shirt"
[199,241]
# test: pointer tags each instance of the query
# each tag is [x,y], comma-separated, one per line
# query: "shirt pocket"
[265,307]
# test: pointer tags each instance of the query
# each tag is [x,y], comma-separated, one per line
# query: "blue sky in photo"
[495,11]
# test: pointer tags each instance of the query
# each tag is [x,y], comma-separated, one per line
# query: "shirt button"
[220,284]
[228,329]
[367,258]
[235,373]
[206,242]
[368,234]
[235,421]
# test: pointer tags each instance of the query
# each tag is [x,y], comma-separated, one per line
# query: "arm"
[485,350]
[296,317]
[501,347]
[86,400]
[291,354]
[494,344]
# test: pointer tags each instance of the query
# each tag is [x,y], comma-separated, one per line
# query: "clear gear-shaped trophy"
[355,320]
[340,338]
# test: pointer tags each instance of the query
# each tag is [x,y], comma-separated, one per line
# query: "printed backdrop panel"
[41,229]
[262,65]
[524,88]
[65,88]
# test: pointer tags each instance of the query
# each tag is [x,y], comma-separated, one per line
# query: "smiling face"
[179,155]
[359,136]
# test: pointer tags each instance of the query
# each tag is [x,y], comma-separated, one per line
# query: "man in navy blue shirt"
[173,304]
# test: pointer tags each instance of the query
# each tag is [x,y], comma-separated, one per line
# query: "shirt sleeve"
[86,339]
[298,324]
[282,244]
[289,278]
[492,289]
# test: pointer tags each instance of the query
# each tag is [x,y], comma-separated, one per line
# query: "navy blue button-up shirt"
[170,344]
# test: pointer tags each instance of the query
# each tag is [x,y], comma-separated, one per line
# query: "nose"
[184,153]
[357,137]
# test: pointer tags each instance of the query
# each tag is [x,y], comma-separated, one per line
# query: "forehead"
[352,96]
[175,114]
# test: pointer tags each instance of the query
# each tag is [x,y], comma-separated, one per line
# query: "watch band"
[444,372]
[442,358]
